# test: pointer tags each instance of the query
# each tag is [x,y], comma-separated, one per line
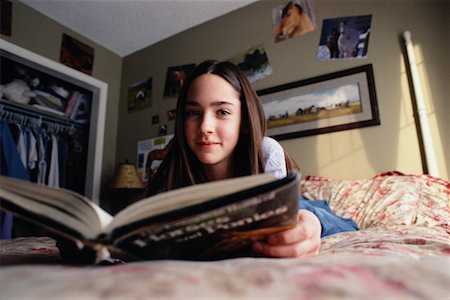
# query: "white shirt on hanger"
[22,147]
[53,173]
[42,165]
[32,151]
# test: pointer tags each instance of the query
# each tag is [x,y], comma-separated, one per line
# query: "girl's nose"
[207,123]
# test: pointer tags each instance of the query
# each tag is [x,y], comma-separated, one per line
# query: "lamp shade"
[126,177]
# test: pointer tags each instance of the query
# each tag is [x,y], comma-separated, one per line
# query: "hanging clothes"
[32,155]
[42,158]
[32,150]
[64,151]
[40,149]
[22,146]
[12,166]
[53,173]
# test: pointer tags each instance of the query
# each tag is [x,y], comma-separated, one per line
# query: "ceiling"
[126,26]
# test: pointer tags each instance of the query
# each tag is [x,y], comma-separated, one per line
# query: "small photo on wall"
[171,114]
[175,78]
[6,17]
[155,119]
[344,38]
[292,19]
[76,54]
[253,62]
[150,155]
[162,130]
[140,95]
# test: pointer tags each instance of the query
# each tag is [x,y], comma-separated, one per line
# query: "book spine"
[80,112]
[71,104]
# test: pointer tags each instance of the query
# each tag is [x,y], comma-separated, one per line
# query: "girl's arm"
[330,222]
[315,220]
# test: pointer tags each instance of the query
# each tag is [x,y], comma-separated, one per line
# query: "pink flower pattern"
[401,252]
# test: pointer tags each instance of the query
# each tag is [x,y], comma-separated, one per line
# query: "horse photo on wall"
[344,38]
[332,102]
[140,94]
[253,62]
[175,78]
[292,19]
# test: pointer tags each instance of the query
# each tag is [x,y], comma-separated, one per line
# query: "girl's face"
[212,121]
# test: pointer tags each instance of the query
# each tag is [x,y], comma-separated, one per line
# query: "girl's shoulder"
[274,157]
[269,145]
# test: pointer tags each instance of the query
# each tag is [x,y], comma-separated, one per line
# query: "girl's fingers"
[308,247]
[302,240]
[308,226]
[289,236]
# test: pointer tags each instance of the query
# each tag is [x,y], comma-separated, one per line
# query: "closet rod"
[44,116]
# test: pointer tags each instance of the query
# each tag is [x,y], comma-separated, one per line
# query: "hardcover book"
[206,221]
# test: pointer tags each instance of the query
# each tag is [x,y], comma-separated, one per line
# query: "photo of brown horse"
[291,20]
[175,78]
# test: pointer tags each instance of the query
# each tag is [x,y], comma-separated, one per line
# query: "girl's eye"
[192,113]
[223,112]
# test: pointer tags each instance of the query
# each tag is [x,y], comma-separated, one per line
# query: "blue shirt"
[12,166]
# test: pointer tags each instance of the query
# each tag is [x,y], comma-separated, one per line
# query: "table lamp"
[126,177]
[126,187]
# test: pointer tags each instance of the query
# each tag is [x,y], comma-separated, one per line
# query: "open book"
[200,222]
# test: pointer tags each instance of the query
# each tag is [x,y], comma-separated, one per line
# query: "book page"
[184,197]
[60,205]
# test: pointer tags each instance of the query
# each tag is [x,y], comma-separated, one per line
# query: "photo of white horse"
[344,38]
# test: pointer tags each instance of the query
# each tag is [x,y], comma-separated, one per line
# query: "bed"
[401,252]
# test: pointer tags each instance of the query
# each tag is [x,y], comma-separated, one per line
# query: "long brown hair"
[181,167]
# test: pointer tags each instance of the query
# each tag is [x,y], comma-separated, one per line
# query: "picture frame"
[140,95]
[76,54]
[332,102]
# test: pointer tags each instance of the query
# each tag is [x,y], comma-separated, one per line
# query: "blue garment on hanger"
[11,166]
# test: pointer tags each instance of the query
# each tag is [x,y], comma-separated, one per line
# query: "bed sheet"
[396,262]
[401,252]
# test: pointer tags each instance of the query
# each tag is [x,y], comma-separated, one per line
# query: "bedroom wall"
[358,153]
[36,32]
[348,154]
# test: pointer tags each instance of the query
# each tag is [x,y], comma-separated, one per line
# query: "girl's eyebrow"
[214,103]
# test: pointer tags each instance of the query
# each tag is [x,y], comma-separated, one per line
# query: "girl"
[219,134]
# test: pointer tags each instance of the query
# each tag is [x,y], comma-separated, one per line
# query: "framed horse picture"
[332,102]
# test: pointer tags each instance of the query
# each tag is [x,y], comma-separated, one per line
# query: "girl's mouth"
[207,144]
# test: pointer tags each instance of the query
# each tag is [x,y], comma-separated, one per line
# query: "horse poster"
[253,62]
[140,95]
[345,38]
[292,19]
[175,78]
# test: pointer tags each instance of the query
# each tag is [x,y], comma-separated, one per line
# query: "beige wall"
[348,154]
[358,153]
[35,32]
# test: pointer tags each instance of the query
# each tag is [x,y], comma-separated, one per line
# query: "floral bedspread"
[401,257]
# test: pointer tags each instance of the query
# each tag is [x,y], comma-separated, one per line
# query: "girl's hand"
[302,240]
